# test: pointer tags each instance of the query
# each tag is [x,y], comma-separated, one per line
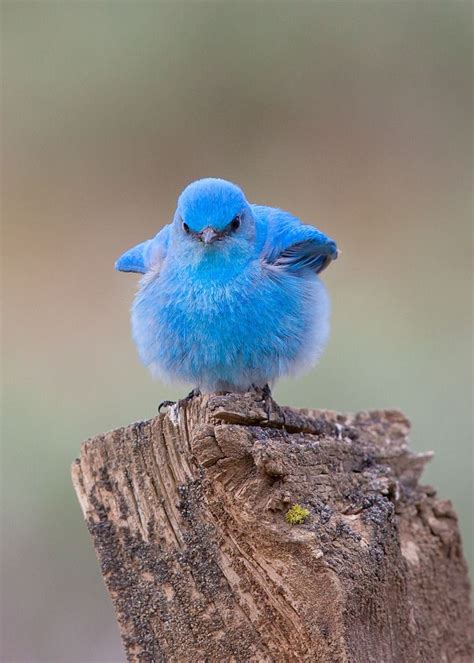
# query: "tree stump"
[188,514]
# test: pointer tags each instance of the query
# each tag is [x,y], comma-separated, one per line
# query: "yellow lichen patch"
[296,515]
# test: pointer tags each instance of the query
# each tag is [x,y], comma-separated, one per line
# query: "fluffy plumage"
[230,295]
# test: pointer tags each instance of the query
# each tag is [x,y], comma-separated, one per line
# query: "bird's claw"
[192,394]
[181,401]
[164,404]
[265,391]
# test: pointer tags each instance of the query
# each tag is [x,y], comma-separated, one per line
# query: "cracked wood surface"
[187,515]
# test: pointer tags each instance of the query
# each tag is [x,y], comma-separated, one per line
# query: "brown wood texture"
[187,514]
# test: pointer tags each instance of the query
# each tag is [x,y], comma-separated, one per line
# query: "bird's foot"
[265,391]
[192,394]
[265,394]
[181,401]
[165,404]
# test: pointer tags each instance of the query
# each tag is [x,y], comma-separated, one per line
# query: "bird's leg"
[181,401]
[266,395]
[190,396]
[266,391]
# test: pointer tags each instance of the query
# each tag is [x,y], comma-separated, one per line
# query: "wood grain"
[187,515]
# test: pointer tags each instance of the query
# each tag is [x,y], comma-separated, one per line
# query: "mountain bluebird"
[230,298]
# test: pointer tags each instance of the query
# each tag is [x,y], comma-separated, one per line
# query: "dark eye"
[185,227]
[235,223]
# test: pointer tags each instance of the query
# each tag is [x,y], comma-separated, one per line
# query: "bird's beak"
[208,235]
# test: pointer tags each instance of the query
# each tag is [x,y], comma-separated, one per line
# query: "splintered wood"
[188,517]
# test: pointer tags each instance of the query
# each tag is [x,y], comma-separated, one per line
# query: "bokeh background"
[354,116]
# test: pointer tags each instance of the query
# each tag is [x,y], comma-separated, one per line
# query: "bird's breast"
[187,326]
[211,288]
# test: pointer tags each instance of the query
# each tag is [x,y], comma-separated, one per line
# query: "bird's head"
[213,216]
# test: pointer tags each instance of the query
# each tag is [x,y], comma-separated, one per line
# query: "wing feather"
[291,245]
[145,256]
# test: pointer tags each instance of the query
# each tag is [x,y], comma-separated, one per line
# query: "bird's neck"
[212,264]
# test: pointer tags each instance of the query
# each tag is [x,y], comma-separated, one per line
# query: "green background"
[355,116]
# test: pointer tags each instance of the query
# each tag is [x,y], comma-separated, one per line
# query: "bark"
[187,514]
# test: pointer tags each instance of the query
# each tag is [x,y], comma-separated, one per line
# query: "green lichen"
[296,515]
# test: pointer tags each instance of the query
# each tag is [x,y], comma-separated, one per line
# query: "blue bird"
[230,298]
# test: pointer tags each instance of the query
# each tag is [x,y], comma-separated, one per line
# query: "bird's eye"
[185,227]
[235,223]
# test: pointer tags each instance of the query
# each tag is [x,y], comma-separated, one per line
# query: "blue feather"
[293,245]
[238,307]
[146,255]
[134,259]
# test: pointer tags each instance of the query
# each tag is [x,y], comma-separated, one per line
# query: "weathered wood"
[187,513]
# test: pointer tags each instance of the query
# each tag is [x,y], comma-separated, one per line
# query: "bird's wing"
[145,256]
[290,245]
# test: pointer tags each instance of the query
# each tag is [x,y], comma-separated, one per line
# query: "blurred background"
[354,116]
